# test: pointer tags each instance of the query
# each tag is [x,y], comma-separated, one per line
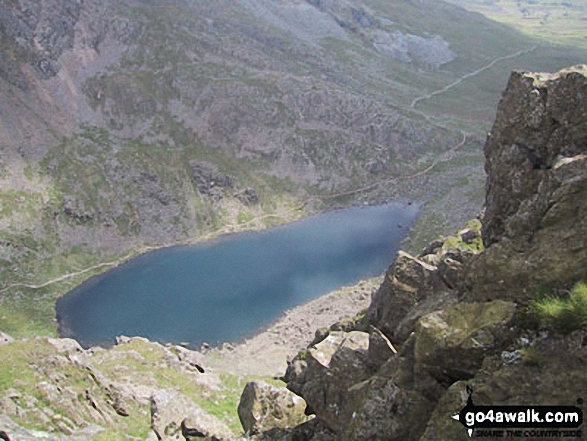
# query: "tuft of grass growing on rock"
[564,314]
[531,356]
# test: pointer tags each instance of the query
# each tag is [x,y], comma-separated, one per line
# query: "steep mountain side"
[463,316]
[401,369]
[137,124]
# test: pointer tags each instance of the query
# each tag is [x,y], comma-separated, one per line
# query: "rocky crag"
[457,315]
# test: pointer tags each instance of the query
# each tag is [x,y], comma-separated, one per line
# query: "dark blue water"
[232,287]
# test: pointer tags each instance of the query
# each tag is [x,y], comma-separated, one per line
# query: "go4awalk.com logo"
[549,422]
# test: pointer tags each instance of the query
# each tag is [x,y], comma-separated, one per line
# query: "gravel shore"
[267,353]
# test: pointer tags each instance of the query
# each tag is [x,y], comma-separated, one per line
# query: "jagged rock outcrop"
[325,372]
[373,391]
[407,292]
[535,223]
[458,314]
[209,181]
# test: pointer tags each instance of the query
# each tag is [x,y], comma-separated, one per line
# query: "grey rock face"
[326,372]
[43,33]
[431,52]
[209,181]
[409,282]
[312,430]
[536,162]
[452,343]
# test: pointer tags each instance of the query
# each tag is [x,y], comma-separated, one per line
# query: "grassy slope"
[478,42]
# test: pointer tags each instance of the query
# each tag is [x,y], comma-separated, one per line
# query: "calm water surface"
[232,287]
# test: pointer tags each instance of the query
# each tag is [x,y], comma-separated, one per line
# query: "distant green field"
[552,21]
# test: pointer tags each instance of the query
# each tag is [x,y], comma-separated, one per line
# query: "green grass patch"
[243,217]
[548,20]
[563,313]
[531,356]
[15,202]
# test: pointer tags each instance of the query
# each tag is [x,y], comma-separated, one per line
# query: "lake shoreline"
[303,287]
[267,352]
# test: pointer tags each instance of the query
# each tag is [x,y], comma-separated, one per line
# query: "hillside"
[126,126]
[495,313]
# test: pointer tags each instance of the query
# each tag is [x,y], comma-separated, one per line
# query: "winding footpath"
[471,74]
[114,263]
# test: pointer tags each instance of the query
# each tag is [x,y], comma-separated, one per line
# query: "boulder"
[469,235]
[312,430]
[263,407]
[349,381]
[209,181]
[248,196]
[432,248]
[66,346]
[441,426]
[172,414]
[380,348]
[5,338]
[452,264]
[384,411]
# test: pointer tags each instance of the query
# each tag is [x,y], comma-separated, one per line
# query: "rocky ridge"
[138,388]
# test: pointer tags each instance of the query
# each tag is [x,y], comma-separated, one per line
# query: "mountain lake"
[234,286]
